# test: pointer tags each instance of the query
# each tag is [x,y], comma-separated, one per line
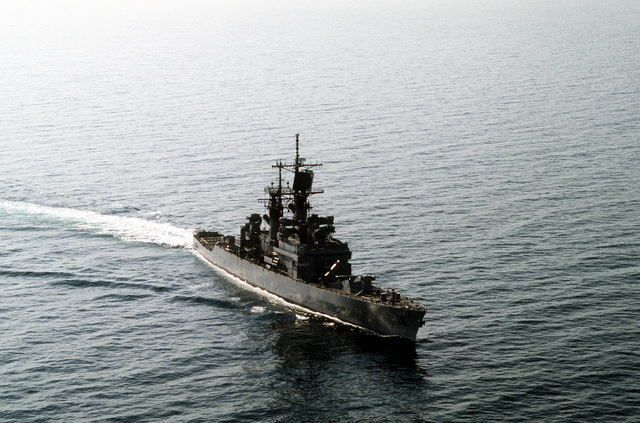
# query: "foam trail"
[126,228]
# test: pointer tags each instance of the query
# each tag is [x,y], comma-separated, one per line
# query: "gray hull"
[381,317]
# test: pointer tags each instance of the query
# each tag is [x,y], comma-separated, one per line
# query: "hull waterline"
[382,318]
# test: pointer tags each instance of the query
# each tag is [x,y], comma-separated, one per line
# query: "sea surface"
[481,157]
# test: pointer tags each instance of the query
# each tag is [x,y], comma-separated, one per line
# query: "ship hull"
[381,318]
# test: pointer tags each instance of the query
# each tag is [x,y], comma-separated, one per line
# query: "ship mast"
[302,185]
[297,152]
[296,197]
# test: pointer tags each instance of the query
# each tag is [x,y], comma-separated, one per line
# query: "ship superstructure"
[298,259]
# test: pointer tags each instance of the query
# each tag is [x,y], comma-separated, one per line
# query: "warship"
[296,258]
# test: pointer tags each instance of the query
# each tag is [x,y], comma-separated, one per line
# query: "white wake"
[126,228]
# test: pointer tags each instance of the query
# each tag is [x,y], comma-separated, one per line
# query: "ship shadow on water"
[318,366]
[304,331]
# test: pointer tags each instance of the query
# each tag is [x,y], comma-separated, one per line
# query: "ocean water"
[482,157]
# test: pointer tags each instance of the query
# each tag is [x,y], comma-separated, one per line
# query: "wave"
[34,274]
[215,302]
[122,227]
[87,283]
